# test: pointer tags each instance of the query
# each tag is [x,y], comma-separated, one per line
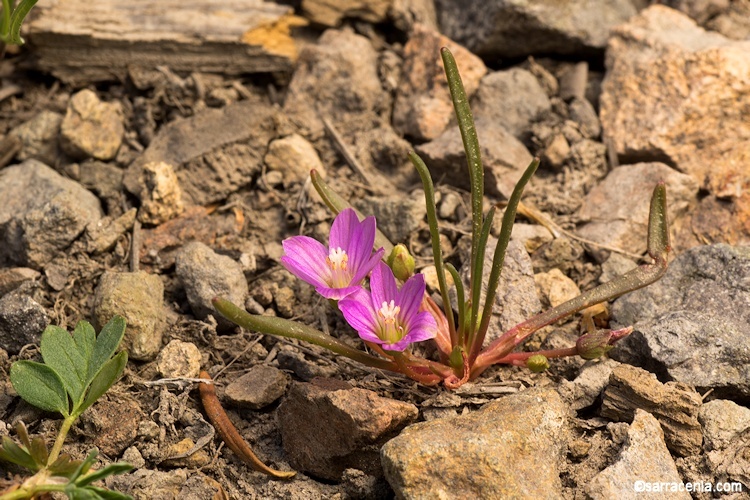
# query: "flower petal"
[421,327]
[336,293]
[383,285]
[361,241]
[305,258]
[344,226]
[411,295]
[368,266]
[359,313]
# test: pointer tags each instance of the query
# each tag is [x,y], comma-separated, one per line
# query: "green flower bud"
[401,262]
[598,343]
[537,363]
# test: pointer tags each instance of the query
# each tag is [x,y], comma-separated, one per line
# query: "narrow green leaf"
[292,329]
[461,301]
[84,466]
[17,18]
[437,256]
[476,290]
[40,386]
[104,379]
[23,434]
[106,345]
[108,470]
[498,258]
[105,494]
[61,353]
[658,225]
[38,451]
[336,203]
[76,493]
[5,21]
[471,148]
[11,452]
[64,466]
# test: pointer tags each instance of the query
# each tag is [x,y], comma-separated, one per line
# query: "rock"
[285,300]
[354,102]
[293,156]
[290,359]
[667,93]
[675,405]
[508,449]
[22,321]
[586,388]
[504,158]
[214,152]
[513,98]
[582,112]
[423,106]
[449,202]
[516,299]
[700,10]
[616,210]
[555,287]
[734,22]
[331,13]
[91,128]
[105,180]
[112,423]
[723,421]
[197,459]
[397,215]
[694,322]
[179,359]
[258,388]
[42,213]
[205,275]
[615,265]
[518,28]
[643,461]
[406,14]
[161,195]
[138,297]
[39,137]
[162,243]
[103,235]
[357,423]
[11,278]
[556,152]
[357,484]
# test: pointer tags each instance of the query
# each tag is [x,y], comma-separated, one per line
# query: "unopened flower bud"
[401,262]
[598,343]
[537,363]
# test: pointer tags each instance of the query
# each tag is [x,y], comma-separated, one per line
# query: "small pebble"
[179,359]
[258,388]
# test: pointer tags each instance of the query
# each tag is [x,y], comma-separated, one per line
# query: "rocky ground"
[147,178]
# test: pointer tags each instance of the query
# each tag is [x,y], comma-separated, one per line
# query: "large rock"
[676,93]
[694,323]
[615,212]
[643,462]
[508,449]
[513,98]
[423,107]
[513,28]
[329,427]
[504,158]
[214,153]
[42,213]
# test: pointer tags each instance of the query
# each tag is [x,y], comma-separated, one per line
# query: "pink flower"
[339,270]
[386,315]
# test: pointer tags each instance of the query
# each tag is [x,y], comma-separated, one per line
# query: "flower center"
[391,330]
[337,260]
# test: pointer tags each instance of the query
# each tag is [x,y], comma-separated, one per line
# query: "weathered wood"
[82,41]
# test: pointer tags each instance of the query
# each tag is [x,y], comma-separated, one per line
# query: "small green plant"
[12,19]
[389,316]
[77,370]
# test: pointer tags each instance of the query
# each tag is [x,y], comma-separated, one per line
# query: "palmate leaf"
[11,452]
[106,345]
[40,386]
[63,354]
[104,379]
